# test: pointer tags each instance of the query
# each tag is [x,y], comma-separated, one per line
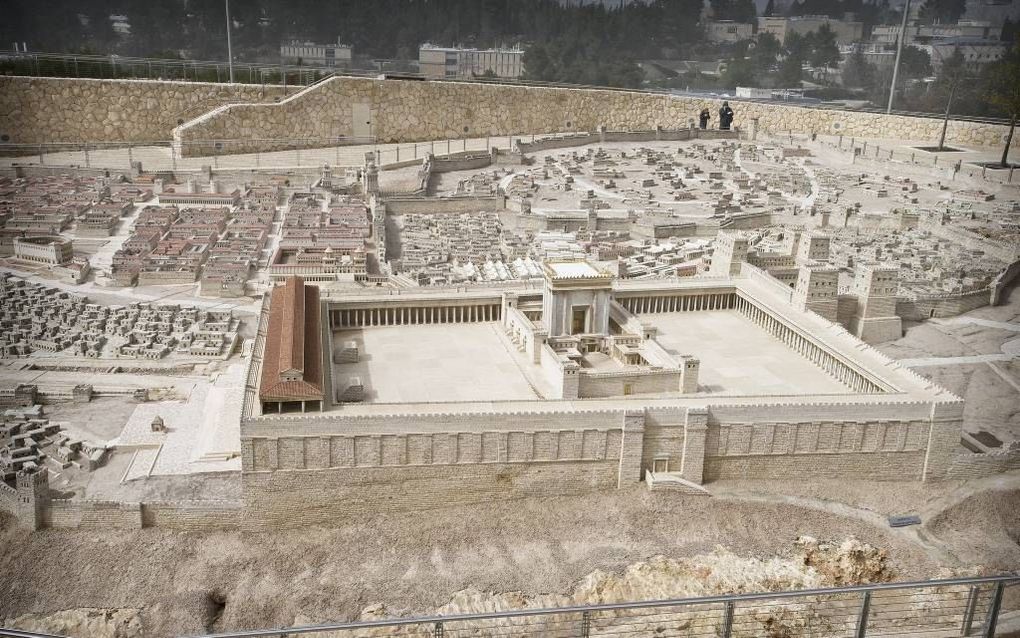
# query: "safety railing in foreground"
[951,607]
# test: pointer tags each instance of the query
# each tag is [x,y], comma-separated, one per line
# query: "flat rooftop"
[429,363]
[738,357]
[573,269]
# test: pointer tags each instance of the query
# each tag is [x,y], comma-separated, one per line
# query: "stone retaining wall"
[39,110]
[417,111]
[179,515]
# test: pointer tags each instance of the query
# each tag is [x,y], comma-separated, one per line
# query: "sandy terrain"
[412,564]
[991,387]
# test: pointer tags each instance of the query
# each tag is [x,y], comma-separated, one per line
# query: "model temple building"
[292,368]
[589,381]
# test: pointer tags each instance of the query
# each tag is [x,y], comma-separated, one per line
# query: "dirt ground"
[415,563]
[990,388]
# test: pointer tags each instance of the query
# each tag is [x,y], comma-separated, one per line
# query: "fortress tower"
[817,289]
[730,251]
[370,179]
[33,494]
[813,246]
[876,320]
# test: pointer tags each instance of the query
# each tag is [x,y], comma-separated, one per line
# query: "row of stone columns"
[806,348]
[413,315]
[679,303]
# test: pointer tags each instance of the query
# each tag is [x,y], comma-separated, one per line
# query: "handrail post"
[968,613]
[993,611]
[862,618]
[586,624]
[727,627]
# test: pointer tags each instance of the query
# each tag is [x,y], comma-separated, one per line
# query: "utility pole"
[899,49]
[945,121]
[230,50]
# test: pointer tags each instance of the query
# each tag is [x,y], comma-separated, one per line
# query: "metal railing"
[127,68]
[941,163]
[247,154]
[951,607]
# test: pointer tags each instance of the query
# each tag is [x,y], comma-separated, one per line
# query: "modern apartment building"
[456,62]
[847,31]
[311,54]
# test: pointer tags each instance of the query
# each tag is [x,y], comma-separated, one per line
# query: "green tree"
[790,72]
[739,72]
[858,72]
[915,62]
[1004,92]
[942,11]
[797,45]
[537,63]
[736,10]
[824,50]
[1009,30]
[765,52]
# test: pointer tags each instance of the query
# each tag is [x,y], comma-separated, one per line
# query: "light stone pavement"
[455,362]
[1010,349]
[738,357]
[203,435]
[155,158]
[923,362]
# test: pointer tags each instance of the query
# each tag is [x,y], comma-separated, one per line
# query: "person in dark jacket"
[704,117]
[725,117]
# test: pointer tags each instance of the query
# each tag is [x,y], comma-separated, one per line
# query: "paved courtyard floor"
[455,362]
[737,357]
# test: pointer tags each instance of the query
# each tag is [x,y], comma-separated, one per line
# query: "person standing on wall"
[725,117]
[704,117]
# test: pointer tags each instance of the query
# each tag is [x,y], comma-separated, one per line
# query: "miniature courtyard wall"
[317,468]
[177,515]
[38,110]
[327,467]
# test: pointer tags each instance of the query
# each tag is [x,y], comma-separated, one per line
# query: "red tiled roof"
[292,365]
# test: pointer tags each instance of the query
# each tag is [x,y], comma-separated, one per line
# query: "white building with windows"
[455,62]
[311,54]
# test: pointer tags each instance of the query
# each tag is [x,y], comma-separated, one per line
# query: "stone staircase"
[349,353]
[354,392]
[178,131]
[673,482]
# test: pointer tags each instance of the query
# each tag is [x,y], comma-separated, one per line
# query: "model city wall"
[41,110]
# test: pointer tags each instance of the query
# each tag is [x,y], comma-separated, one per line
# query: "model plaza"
[591,346]
[588,380]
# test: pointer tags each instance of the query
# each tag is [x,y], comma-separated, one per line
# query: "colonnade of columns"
[678,303]
[413,315]
[807,348]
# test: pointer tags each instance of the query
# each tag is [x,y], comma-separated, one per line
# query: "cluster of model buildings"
[34,211]
[211,237]
[30,442]
[323,239]
[36,318]
[928,263]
